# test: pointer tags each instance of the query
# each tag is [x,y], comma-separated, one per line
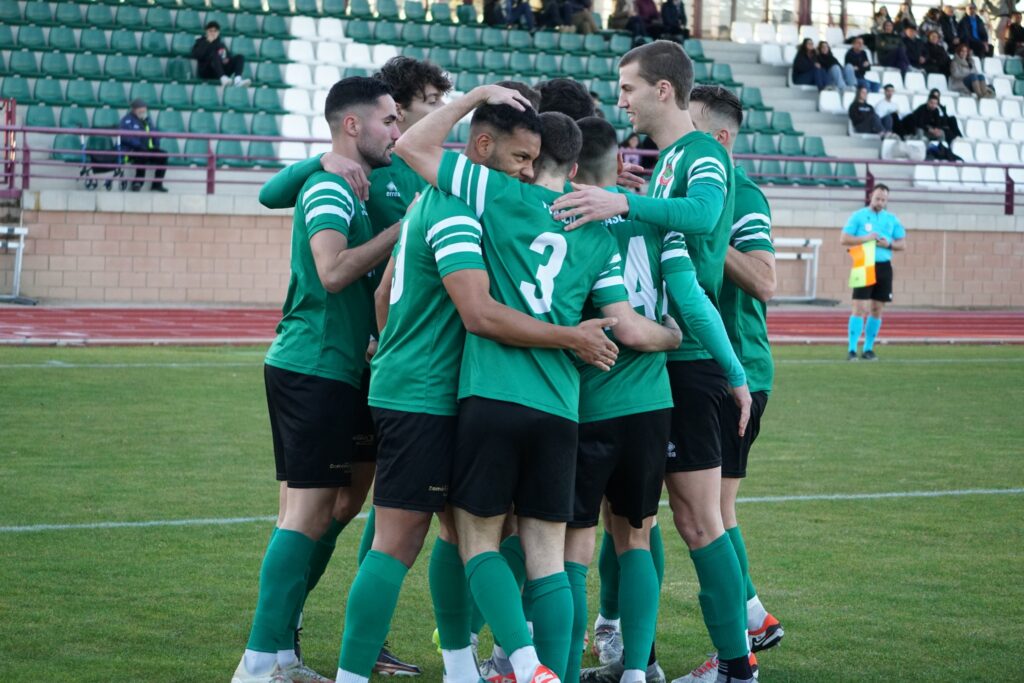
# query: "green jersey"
[743,315]
[392,189]
[416,368]
[695,159]
[320,333]
[539,269]
[638,382]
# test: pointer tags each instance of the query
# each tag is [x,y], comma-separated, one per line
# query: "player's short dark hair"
[598,139]
[719,102]
[505,119]
[565,96]
[407,78]
[351,92]
[880,186]
[560,141]
[664,60]
[532,96]
[212,24]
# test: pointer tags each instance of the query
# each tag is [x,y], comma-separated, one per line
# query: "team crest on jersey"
[666,175]
[392,190]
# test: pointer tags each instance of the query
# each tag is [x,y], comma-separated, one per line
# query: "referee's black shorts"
[882,289]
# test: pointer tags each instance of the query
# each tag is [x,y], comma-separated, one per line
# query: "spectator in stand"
[857,57]
[632,142]
[964,77]
[581,17]
[890,49]
[214,61]
[936,59]
[141,150]
[863,115]
[949,123]
[648,11]
[972,31]
[554,14]
[843,77]
[673,21]
[1004,10]
[881,16]
[888,111]
[904,18]
[1014,36]
[915,48]
[950,28]
[931,22]
[494,13]
[807,68]
[927,122]
[520,14]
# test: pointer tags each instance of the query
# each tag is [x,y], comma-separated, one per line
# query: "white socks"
[459,666]
[286,658]
[633,676]
[524,663]
[346,677]
[259,662]
[601,621]
[756,613]
[499,653]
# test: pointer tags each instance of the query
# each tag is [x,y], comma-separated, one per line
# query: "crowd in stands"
[642,18]
[930,122]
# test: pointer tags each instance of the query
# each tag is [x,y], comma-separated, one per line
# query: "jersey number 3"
[546,273]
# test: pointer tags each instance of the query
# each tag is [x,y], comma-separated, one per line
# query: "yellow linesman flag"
[863,272]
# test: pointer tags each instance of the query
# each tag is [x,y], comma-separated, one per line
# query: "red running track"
[791,325]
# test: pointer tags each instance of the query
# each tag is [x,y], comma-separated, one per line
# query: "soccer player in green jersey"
[625,417]
[690,192]
[517,425]
[314,367]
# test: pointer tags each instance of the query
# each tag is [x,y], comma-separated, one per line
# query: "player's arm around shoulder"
[750,260]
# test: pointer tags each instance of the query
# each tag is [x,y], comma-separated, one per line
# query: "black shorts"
[735,450]
[882,289]
[698,389]
[622,458]
[414,459]
[366,433]
[311,420]
[506,453]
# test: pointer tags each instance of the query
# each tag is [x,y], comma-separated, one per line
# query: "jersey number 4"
[540,303]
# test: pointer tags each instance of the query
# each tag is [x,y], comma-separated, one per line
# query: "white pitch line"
[221,521]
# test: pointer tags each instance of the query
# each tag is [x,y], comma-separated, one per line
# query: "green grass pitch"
[903,588]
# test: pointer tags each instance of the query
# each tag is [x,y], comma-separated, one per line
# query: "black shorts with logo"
[414,459]
[882,289]
[506,453]
[312,423]
[622,458]
[736,449]
[698,389]
[366,434]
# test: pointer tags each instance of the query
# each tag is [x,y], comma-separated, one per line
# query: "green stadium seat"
[145,92]
[160,19]
[205,96]
[495,61]
[280,7]
[722,74]
[360,8]
[265,124]
[770,171]
[118,67]
[93,40]
[233,123]
[49,91]
[129,16]
[68,148]
[520,40]
[179,70]
[796,173]
[791,146]
[466,14]
[55,65]
[695,50]
[306,8]
[242,45]
[466,36]
[113,94]
[61,38]
[1018,87]
[149,69]
[174,96]
[272,50]
[267,100]
[229,6]
[846,173]
[188,20]
[387,9]
[756,122]
[237,99]
[1014,66]
[441,35]
[595,44]
[416,52]
[702,73]
[100,16]
[357,72]
[15,87]
[362,31]
[466,81]
[441,12]
[106,118]
[261,153]
[81,93]
[221,18]
[782,122]
[602,67]
[620,44]
[547,64]
[750,98]
[545,41]
[571,42]
[7,41]
[748,165]
[170,121]
[195,152]
[250,6]
[86,65]
[73,117]
[814,146]
[607,91]
[334,8]
[269,74]
[469,59]
[574,66]
[40,116]
[414,11]
[155,44]
[229,153]
[31,38]
[202,122]
[522,63]
[765,144]
[389,32]
[10,13]
[248,25]
[442,56]
[23,63]
[824,174]
[69,14]
[181,44]
[38,14]
[124,42]
[195,4]
[173,149]
[493,38]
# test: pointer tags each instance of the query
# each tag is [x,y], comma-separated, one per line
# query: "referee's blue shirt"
[883,224]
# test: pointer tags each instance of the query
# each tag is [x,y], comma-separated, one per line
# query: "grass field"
[901,588]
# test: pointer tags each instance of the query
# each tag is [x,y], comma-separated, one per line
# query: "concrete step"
[732,53]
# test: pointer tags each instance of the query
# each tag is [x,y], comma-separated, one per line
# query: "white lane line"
[221,521]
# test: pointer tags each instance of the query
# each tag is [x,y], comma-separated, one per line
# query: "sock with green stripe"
[658,552]
[722,597]
[552,609]
[366,542]
[577,574]
[638,589]
[371,604]
[449,592]
[741,556]
[608,571]
[494,589]
[282,588]
[318,561]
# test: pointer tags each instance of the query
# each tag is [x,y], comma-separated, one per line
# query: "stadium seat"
[913,81]
[787,34]
[330,28]
[782,122]
[822,173]
[267,100]
[294,126]
[574,66]
[269,74]
[571,42]
[159,19]
[493,38]
[233,123]
[195,152]
[847,174]
[937,82]
[124,42]
[23,63]
[91,40]
[998,131]
[118,68]
[73,117]
[16,88]
[764,33]
[360,8]
[55,65]
[545,41]
[129,16]
[175,96]
[743,144]
[113,94]
[607,91]
[155,44]
[68,148]
[520,40]
[1011,111]
[756,122]
[465,13]
[721,73]
[365,31]
[695,49]
[145,92]
[988,109]
[49,91]
[416,11]
[465,36]
[188,20]
[790,146]
[325,73]
[7,41]
[741,32]
[170,121]
[61,38]
[229,153]
[807,31]
[31,38]
[99,16]
[975,129]
[387,9]
[548,64]
[202,122]
[466,81]
[38,14]
[179,70]
[796,173]
[296,101]
[770,171]
[10,13]
[966,107]
[81,93]
[250,25]
[702,73]
[265,124]
[229,6]
[261,153]
[106,118]
[470,59]
[206,96]
[601,67]
[291,152]
[765,144]
[814,146]
[771,55]
[40,116]
[751,98]
[237,99]
[273,50]
[320,129]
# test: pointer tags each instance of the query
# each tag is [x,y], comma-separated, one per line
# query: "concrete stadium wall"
[211,252]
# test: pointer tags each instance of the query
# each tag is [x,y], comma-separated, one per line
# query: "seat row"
[784,34]
[173,121]
[783,145]
[96,150]
[953,177]
[965,106]
[775,172]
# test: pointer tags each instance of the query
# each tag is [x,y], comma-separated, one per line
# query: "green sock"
[318,561]
[367,540]
[282,587]
[512,550]
[495,591]
[658,552]
[551,599]
[450,594]
[371,603]
[722,597]
[578,584]
[741,555]
[608,570]
[638,587]
[476,621]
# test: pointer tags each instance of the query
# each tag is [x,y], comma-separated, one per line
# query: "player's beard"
[375,158]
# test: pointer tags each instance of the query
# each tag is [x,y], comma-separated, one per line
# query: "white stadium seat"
[764,33]
[989,109]
[874,98]
[874,76]
[742,32]
[847,100]
[997,131]
[963,149]
[985,153]
[329,52]
[914,82]
[977,63]
[297,76]
[319,148]
[331,29]
[839,52]
[320,99]
[294,126]
[937,81]
[292,151]
[382,53]
[320,129]
[771,54]
[787,34]
[326,76]
[972,178]
[830,102]
[948,177]
[917,100]
[834,36]
[788,54]
[1003,87]
[810,32]
[924,176]
[296,101]
[357,54]
[304,28]
[993,66]
[903,103]
[1008,153]
[885,76]
[1017,130]
[975,129]
[966,108]
[301,51]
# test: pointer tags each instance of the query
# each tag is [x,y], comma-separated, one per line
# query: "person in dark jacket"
[857,57]
[214,61]
[936,59]
[142,150]
[673,21]
[862,114]
[1014,34]
[914,47]
[843,77]
[950,28]
[973,32]
[807,69]
[928,121]
[890,50]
